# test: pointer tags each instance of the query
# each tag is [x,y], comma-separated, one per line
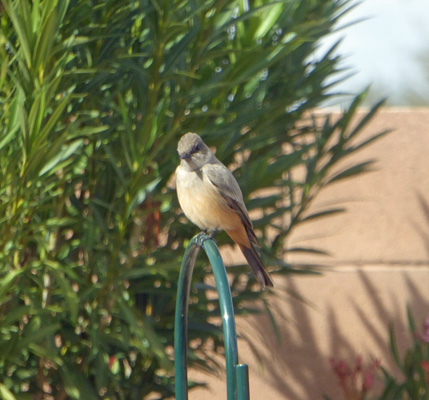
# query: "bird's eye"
[196,148]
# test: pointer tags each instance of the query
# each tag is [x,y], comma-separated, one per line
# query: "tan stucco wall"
[379,265]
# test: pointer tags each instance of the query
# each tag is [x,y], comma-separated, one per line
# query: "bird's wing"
[225,183]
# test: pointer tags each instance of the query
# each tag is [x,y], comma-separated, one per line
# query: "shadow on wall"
[298,365]
[351,319]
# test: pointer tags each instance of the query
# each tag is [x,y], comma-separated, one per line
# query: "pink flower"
[367,381]
[425,367]
[425,334]
[359,364]
[355,381]
[341,369]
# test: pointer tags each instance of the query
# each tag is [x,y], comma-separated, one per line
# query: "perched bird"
[211,198]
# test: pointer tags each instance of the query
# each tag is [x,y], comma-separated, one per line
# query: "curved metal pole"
[234,372]
[181,320]
[227,313]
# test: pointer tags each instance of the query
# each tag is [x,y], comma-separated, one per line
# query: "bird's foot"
[204,235]
[201,238]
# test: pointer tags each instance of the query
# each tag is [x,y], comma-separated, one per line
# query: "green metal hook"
[237,378]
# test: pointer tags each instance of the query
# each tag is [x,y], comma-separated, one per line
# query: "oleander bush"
[93,98]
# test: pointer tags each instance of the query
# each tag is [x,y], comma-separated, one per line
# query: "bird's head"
[193,151]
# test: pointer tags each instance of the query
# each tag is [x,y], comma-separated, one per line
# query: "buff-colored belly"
[203,205]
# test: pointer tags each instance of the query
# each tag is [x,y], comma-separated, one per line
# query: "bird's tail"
[257,266]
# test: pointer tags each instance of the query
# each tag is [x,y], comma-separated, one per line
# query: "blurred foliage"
[414,366]
[94,96]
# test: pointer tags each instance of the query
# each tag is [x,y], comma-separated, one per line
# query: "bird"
[211,198]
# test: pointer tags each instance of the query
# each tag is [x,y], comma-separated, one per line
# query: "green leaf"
[56,162]
[69,294]
[393,348]
[323,214]
[5,393]
[411,323]
[178,50]
[53,119]
[310,250]
[77,385]
[45,41]
[267,21]
[8,282]
[41,333]
[20,24]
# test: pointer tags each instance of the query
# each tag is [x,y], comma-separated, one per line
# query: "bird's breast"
[202,203]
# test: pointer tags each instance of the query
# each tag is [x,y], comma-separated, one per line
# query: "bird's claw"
[203,236]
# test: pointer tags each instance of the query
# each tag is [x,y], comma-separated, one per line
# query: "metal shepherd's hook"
[237,375]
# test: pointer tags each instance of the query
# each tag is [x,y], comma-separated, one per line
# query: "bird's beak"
[185,156]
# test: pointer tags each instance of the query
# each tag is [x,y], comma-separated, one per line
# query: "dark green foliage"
[414,366]
[94,96]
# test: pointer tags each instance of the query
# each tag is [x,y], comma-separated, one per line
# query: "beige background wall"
[379,264]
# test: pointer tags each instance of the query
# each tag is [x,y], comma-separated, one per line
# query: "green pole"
[228,322]
[227,313]
[242,376]
[181,320]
